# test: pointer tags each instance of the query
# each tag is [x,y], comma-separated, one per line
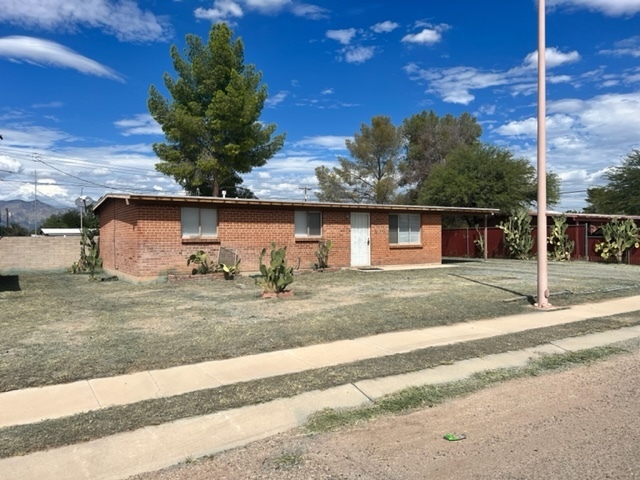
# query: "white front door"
[360,241]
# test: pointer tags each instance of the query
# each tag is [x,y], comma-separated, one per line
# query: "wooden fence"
[460,242]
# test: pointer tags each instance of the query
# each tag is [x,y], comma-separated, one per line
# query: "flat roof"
[133,198]
[588,216]
[53,232]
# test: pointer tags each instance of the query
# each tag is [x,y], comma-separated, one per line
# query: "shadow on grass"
[530,298]
[9,283]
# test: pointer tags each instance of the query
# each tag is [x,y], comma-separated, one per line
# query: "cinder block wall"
[38,254]
[144,240]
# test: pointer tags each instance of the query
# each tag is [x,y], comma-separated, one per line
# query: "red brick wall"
[429,250]
[120,245]
[145,239]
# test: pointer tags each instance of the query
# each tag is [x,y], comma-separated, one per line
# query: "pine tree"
[211,122]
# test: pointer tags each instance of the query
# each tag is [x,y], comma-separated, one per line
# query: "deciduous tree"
[71,219]
[211,121]
[485,176]
[621,195]
[371,175]
[429,139]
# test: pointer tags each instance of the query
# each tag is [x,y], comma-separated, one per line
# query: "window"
[308,224]
[404,229]
[199,222]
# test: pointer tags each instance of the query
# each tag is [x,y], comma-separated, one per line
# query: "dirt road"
[580,424]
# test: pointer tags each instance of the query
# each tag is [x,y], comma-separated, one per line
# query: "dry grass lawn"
[61,328]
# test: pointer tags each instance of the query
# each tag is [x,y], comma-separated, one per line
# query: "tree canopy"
[430,139]
[621,195]
[71,219]
[485,176]
[371,177]
[211,122]
[14,230]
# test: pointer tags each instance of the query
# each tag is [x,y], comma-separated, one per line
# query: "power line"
[27,156]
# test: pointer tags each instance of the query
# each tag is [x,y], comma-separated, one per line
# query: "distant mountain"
[27,214]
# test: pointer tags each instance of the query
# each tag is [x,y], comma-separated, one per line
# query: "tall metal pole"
[543,290]
[35,203]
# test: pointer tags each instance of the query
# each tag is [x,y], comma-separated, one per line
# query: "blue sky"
[75,76]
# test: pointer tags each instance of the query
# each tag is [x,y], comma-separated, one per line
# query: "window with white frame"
[199,222]
[404,229]
[308,224]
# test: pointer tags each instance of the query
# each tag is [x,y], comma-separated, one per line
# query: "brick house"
[144,237]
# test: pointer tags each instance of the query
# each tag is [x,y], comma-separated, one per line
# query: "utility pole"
[306,189]
[543,290]
[35,204]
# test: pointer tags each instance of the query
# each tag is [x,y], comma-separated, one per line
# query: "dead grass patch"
[62,328]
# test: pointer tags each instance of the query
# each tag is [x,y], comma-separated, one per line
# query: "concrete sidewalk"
[36,404]
[120,456]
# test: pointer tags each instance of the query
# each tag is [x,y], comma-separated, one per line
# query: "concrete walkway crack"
[362,392]
[158,389]
[94,394]
[558,346]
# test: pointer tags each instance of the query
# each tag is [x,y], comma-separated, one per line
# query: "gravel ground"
[578,424]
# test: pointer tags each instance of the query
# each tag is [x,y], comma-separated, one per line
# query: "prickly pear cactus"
[559,240]
[517,233]
[619,236]
[276,276]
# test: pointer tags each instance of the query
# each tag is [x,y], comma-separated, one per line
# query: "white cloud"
[312,12]
[276,99]
[358,54]
[267,6]
[629,46]
[222,10]
[54,104]
[456,84]
[122,18]
[329,142]
[559,124]
[559,79]
[425,37]
[584,138]
[429,35]
[384,27]
[141,124]
[9,165]
[608,7]
[553,58]
[44,52]
[327,91]
[228,10]
[453,85]
[31,136]
[343,36]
